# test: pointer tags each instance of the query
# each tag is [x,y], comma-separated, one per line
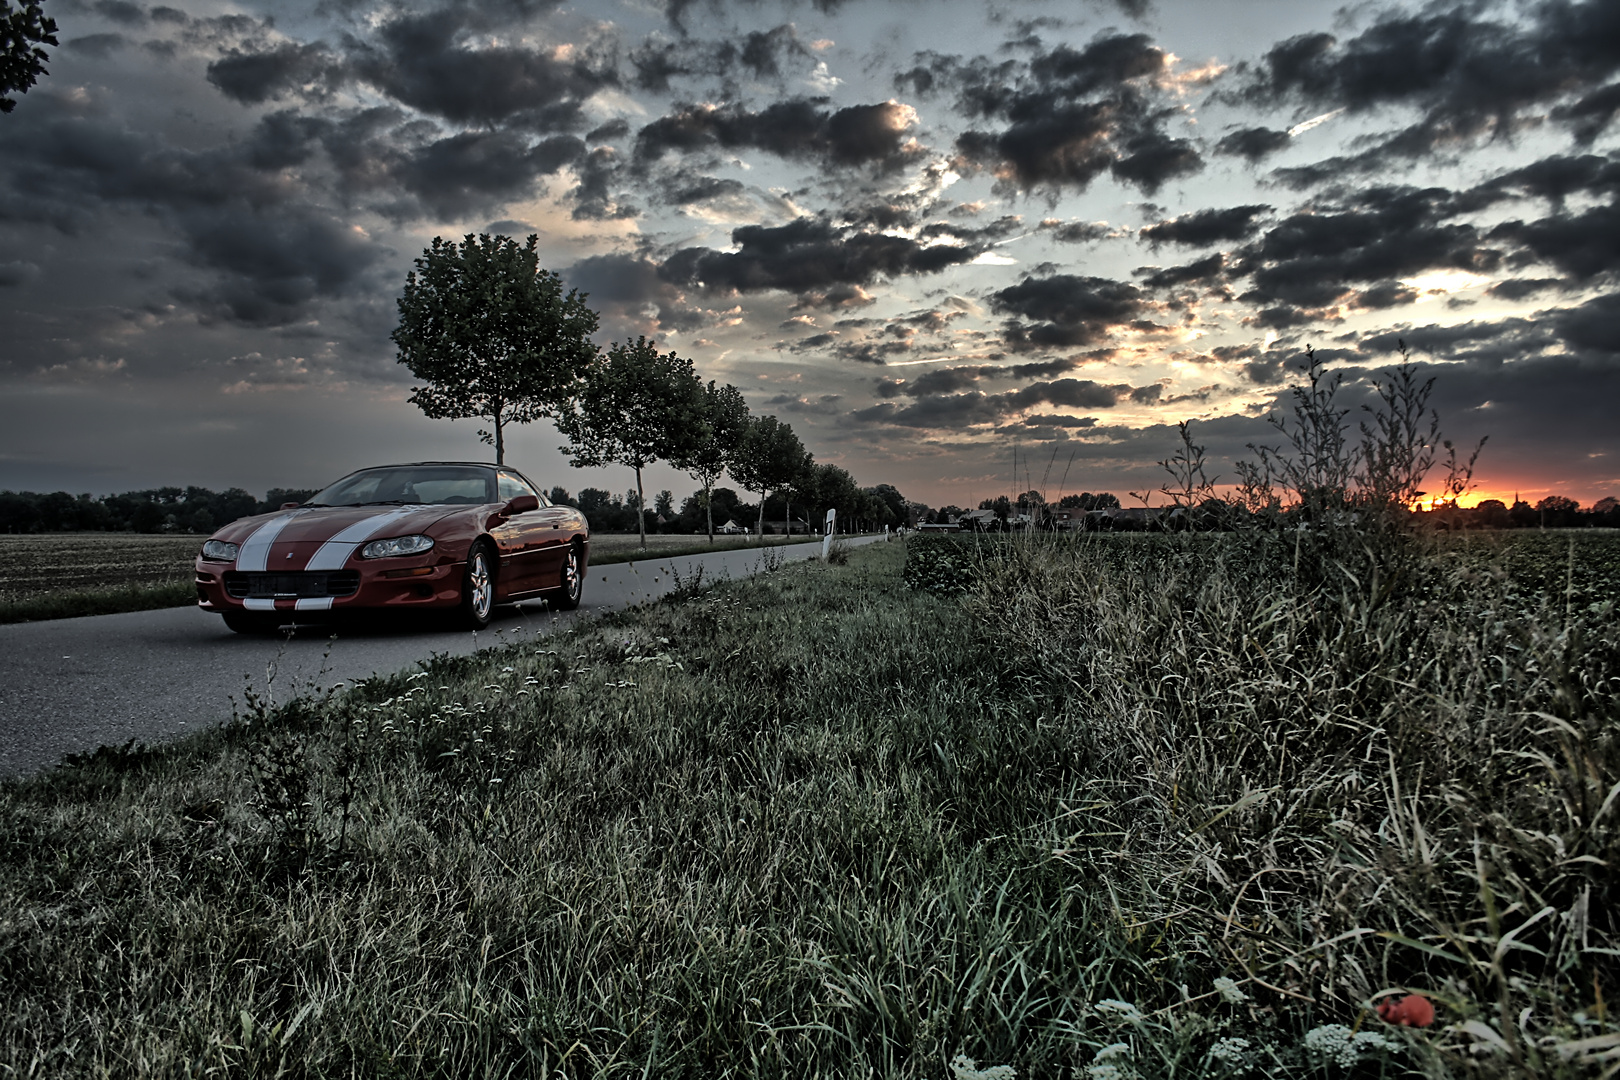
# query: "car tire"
[478,588]
[244,622]
[566,596]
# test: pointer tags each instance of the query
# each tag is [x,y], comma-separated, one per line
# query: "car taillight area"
[299,585]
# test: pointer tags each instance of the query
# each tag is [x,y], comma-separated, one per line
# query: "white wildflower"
[1335,1043]
[1113,1062]
[965,1068]
[1230,992]
[1122,1011]
[1230,1051]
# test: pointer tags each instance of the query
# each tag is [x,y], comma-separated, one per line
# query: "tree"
[491,334]
[770,458]
[725,416]
[899,511]
[22,61]
[833,488]
[635,406]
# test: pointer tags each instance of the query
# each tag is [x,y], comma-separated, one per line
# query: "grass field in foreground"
[64,575]
[1142,806]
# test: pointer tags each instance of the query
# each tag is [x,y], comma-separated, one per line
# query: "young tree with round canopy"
[771,458]
[726,422]
[635,406]
[492,335]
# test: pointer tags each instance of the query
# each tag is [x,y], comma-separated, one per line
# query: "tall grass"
[1329,791]
[1153,806]
[781,829]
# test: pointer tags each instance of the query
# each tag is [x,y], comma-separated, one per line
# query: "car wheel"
[566,596]
[478,588]
[244,622]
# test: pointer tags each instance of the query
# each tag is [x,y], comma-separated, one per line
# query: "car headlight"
[399,545]
[219,549]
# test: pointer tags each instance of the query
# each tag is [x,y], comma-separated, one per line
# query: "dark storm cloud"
[1482,341]
[1065,309]
[274,251]
[759,53]
[1077,232]
[594,198]
[1385,294]
[1203,227]
[481,171]
[953,379]
[1254,143]
[975,408]
[1071,115]
[251,76]
[808,255]
[1203,270]
[630,286]
[1467,70]
[1312,259]
[1581,245]
[683,188]
[1558,177]
[1589,116]
[1519,288]
[1593,327]
[273,266]
[798,128]
[425,63]
[99,46]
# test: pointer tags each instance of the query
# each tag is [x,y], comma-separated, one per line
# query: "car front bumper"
[222,589]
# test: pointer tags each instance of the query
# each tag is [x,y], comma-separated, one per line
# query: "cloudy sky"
[934,237]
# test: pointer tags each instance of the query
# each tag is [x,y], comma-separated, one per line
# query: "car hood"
[324,536]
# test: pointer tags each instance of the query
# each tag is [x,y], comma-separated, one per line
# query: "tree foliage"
[22,31]
[491,334]
[771,458]
[725,416]
[635,406]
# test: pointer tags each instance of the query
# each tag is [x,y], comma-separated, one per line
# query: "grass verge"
[1119,809]
[610,548]
[73,603]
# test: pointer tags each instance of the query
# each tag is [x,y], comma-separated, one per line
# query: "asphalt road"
[71,685]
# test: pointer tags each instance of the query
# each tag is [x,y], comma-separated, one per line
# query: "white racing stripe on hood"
[336,551]
[255,551]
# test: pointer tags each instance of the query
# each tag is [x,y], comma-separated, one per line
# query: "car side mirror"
[291,506]
[520,504]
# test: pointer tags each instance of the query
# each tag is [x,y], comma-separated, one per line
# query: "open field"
[63,575]
[1124,806]
[38,564]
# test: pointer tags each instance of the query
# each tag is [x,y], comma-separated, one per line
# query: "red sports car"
[445,535]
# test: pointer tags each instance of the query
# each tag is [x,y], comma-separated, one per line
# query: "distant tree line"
[155,510]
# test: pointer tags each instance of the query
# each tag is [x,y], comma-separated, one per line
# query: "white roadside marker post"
[827,535]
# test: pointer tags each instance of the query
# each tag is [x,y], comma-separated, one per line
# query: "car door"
[519,537]
[551,540]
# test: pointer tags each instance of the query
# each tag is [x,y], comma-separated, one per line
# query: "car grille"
[290,586]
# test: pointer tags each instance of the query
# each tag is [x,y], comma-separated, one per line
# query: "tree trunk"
[641,510]
[500,439]
[787,519]
[708,504]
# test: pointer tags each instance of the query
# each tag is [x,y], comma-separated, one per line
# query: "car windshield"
[416,485]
